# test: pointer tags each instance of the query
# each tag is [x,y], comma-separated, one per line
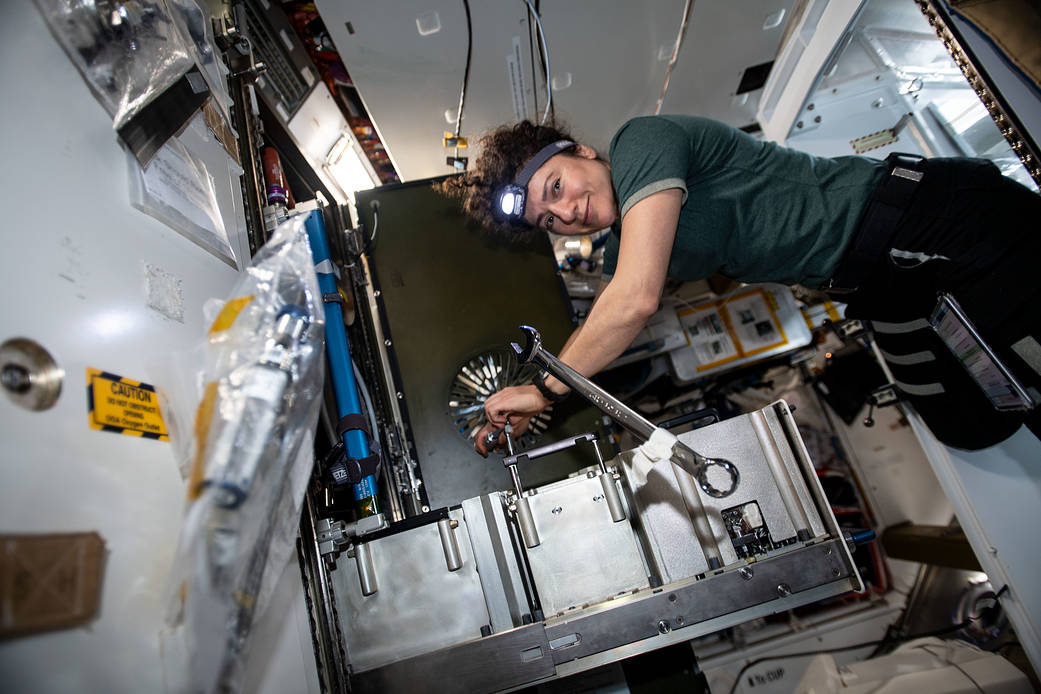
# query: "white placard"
[515,73]
[177,190]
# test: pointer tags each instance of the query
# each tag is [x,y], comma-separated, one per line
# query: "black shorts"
[973,233]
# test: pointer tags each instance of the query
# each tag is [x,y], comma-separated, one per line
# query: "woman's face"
[571,194]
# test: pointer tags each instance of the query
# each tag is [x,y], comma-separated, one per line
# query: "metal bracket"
[548,449]
[354,241]
[880,397]
[849,329]
[334,536]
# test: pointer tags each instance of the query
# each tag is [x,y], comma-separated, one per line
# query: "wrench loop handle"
[708,488]
[697,466]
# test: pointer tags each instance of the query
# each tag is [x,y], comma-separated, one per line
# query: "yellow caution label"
[229,313]
[123,406]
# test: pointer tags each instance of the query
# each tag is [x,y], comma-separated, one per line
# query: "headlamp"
[511,198]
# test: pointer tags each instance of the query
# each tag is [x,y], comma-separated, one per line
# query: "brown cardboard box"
[49,581]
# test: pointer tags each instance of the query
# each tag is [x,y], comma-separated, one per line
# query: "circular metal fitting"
[664,627]
[29,375]
[783,590]
[746,572]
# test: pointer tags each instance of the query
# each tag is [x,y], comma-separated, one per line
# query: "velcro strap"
[879,222]
[342,468]
[353,470]
[351,422]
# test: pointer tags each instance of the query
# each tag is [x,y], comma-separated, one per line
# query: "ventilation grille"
[479,378]
[282,76]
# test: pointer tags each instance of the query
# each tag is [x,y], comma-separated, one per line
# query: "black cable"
[854,647]
[466,71]
[542,67]
[534,45]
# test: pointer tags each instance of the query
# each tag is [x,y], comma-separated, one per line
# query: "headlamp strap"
[540,158]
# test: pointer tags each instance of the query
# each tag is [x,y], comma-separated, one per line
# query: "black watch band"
[540,382]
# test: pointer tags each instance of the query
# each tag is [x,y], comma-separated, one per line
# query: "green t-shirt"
[752,210]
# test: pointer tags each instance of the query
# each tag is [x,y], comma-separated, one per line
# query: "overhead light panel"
[337,150]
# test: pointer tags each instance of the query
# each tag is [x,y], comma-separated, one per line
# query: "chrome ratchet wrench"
[688,460]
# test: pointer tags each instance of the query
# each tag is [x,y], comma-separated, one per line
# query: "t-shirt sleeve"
[648,154]
[611,253]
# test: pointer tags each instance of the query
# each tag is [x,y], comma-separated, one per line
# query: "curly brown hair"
[504,152]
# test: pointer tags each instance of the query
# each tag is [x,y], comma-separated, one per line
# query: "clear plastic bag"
[129,51]
[177,189]
[251,457]
[197,33]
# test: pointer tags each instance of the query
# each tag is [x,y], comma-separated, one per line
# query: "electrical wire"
[535,46]
[466,75]
[675,54]
[375,223]
[368,404]
[841,649]
[545,52]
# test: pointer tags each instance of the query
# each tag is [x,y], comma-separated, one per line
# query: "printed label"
[515,75]
[123,406]
[874,141]
[744,325]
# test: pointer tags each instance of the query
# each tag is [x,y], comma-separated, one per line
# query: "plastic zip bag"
[251,457]
[128,51]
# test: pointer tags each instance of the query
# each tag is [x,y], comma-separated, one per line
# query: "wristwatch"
[540,382]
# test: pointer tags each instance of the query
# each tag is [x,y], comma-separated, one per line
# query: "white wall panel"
[73,280]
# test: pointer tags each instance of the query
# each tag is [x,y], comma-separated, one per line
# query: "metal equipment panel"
[495,663]
[419,604]
[589,573]
[771,469]
[690,602]
[584,556]
[497,564]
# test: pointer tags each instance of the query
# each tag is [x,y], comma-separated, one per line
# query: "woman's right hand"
[518,404]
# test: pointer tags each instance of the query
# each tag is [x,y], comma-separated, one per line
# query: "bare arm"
[631,298]
[620,311]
